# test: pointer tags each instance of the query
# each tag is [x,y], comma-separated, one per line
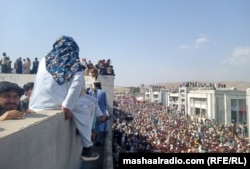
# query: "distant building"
[153,94]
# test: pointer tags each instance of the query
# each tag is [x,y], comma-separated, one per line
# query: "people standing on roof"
[27,65]
[84,63]
[35,65]
[4,60]
[18,65]
[23,66]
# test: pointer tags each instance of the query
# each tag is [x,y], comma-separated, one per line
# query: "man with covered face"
[58,84]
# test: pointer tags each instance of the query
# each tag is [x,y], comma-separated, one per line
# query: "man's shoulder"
[101,92]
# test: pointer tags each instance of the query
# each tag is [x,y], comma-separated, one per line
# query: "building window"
[238,110]
[242,111]
[234,109]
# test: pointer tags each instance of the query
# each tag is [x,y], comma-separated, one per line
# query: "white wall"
[41,140]
[248,110]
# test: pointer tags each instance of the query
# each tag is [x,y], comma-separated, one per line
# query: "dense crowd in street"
[153,128]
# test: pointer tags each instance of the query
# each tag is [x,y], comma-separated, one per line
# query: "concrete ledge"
[39,141]
[108,154]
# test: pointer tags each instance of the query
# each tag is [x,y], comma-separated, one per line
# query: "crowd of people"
[102,67]
[24,66]
[203,85]
[137,126]
[63,73]
[152,128]
[20,66]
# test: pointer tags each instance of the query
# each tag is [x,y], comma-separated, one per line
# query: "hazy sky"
[148,41]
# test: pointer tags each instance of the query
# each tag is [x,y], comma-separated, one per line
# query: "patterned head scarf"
[63,60]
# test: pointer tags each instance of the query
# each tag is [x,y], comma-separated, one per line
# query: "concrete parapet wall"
[39,141]
[20,79]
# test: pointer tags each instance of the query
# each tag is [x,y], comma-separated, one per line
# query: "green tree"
[134,89]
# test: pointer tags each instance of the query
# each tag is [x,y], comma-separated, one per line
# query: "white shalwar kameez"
[48,95]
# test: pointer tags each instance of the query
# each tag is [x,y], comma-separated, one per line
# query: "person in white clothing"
[97,113]
[91,104]
[58,86]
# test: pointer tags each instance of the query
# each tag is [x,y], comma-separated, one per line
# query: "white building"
[153,94]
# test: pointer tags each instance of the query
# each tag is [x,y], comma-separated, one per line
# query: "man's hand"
[30,111]
[11,115]
[68,113]
[102,117]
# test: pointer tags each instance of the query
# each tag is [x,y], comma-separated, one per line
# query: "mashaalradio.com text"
[173,160]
